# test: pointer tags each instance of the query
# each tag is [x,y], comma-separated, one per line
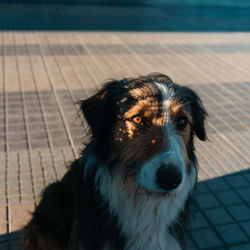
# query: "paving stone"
[36,126]
[198,221]
[237,181]
[217,184]
[3,245]
[247,176]
[3,217]
[3,232]
[232,233]
[16,236]
[40,135]
[2,147]
[240,212]
[206,238]
[228,197]
[15,245]
[190,244]
[59,143]
[218,216]
[17,225]
[244,193]
[14,199]
[246,227]
[19,127]
[20,210]
[2,200]
[17,136]
[241,247]
[37,144]
[20,146]
[206,201]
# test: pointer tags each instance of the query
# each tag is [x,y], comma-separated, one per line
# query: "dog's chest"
[145,222]
[159,242]
[147,228]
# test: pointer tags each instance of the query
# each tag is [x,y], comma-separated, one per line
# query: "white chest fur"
[145,221]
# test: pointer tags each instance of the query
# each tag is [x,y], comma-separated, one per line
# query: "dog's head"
[144,128]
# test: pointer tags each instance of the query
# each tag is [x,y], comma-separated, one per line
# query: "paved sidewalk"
[52,56]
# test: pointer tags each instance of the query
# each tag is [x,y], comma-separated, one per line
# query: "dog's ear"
[199,115]
[100,109]
[97,112]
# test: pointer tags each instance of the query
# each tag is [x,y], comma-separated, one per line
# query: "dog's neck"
[144,220]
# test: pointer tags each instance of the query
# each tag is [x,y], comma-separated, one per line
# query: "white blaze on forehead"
[174,154]
[167,96]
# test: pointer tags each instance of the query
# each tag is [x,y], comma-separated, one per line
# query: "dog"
[131,186]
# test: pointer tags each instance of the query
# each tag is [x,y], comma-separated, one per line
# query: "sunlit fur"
[111,197]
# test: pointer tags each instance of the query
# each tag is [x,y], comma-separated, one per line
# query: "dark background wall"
[141,2]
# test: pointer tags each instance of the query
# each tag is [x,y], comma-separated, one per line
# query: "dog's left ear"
[199,114]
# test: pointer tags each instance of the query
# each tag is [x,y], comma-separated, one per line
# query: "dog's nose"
[168,177]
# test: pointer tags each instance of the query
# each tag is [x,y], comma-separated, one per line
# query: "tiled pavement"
[52,56]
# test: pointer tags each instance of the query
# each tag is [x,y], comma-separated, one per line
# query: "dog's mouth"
[150,194]
[166,194]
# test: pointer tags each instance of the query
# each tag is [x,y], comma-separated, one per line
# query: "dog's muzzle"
[165,172]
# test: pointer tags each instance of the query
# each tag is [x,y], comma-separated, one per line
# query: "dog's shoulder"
[51,221]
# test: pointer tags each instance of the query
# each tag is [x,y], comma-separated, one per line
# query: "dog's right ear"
[97,113]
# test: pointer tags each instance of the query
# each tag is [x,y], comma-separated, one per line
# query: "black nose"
[168,177]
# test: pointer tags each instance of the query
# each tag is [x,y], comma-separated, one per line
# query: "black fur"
[74,215]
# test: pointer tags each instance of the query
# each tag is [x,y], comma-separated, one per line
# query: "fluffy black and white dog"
[131,186]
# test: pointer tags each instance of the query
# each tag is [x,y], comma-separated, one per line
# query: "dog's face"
[144,128]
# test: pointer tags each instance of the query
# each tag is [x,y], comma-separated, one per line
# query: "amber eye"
[137,120]
[181,123]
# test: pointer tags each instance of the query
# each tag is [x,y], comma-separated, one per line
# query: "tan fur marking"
[136,92]
[175,107]
[130,129]
[102,95]
[148,113]
[158,121]
[140,105]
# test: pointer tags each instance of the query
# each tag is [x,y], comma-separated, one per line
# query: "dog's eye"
[181,123]
[137,120]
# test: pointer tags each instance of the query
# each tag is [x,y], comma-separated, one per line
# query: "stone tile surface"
[218,216]
[232,234]
[206,238]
